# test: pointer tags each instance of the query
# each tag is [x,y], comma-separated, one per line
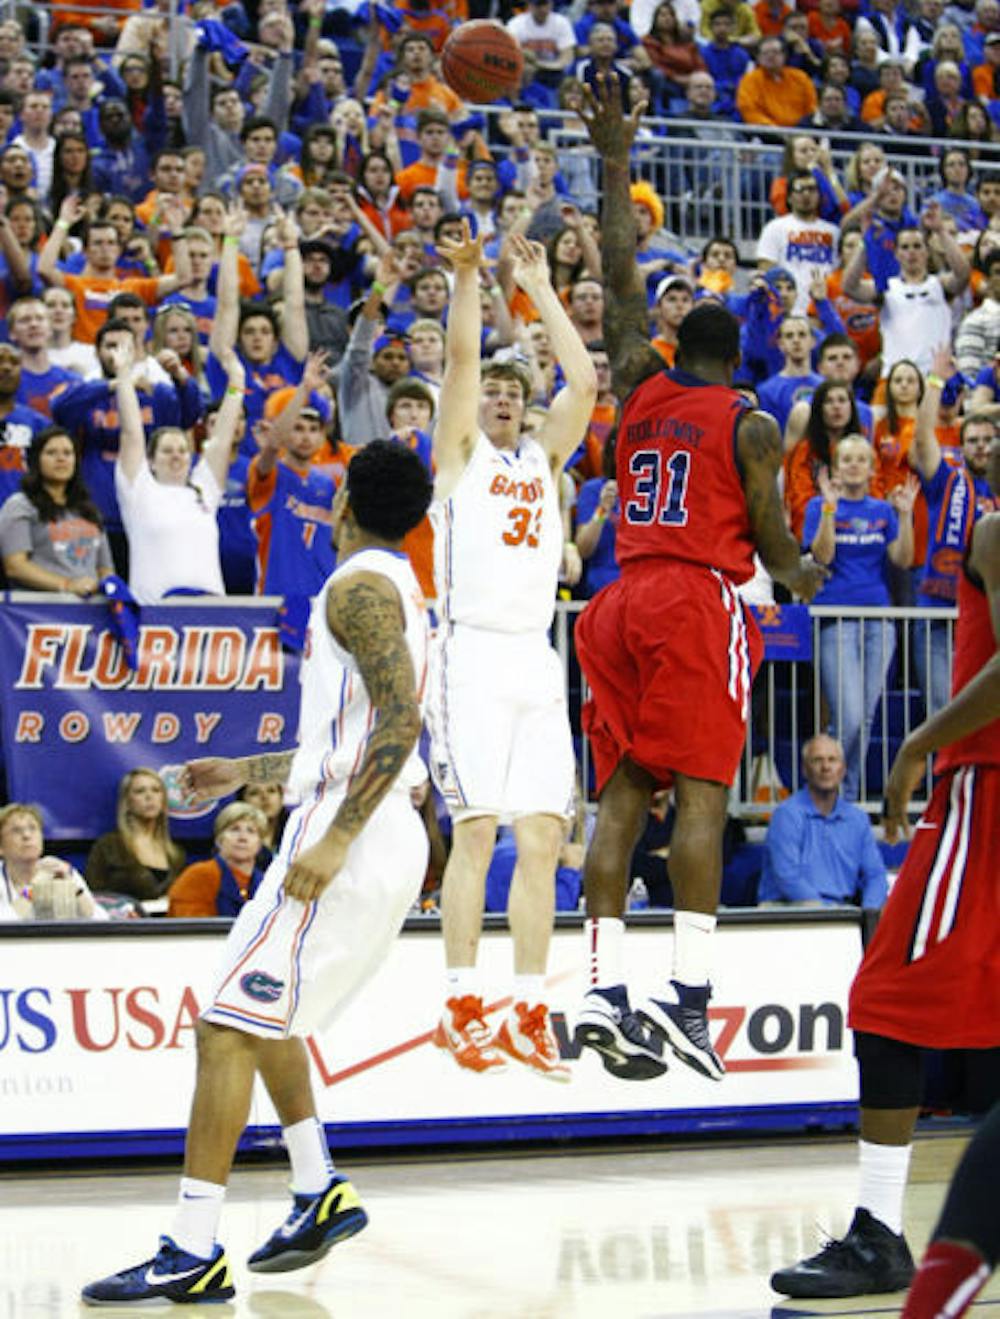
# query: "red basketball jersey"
[975,645]
[679,488]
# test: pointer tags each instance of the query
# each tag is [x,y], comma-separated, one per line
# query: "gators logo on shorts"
[262,987]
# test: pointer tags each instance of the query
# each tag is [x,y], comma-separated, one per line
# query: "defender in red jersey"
[931,976]
[668,649]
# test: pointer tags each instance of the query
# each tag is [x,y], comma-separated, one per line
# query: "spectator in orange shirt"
[437,166]
[828,26]
[169,177]
[986,76]
[770,16]
[772,93]
[223,885]
[94,288]
[414,76]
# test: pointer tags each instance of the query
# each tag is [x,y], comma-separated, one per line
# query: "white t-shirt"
[546,40]
[915,318]
[78,357]
[802,247]
[173,536]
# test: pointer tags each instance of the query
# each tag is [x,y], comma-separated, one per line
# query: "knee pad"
[892,1073]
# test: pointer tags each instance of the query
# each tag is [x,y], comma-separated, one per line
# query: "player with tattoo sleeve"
[351,862]
[668,650]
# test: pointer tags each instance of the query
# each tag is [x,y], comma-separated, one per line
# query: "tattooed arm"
[213,776]
[758,443]
[626,314]
[365,615]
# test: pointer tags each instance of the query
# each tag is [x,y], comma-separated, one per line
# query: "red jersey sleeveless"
[679,488]
[975,645]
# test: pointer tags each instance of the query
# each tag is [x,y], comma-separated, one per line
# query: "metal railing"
[791,702]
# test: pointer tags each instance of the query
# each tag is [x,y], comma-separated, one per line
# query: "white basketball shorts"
[289,967]
[500,735]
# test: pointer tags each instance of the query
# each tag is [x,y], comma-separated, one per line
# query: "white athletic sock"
[199,1206]
[693,932]
[461,980]
[883,1181]
[312,1166]
[529,989]
[605,950]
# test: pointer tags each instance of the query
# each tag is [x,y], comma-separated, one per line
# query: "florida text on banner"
[208,681]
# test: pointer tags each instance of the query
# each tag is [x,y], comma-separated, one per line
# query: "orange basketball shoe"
[466,1036]
[526,1034]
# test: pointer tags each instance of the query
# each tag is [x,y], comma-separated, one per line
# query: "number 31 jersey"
[498,541]
[679,488]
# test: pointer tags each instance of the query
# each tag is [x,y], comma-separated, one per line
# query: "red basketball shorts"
[931,975]
[669,652]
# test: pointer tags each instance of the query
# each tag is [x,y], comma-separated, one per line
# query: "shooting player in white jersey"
[501,744]
[352,860]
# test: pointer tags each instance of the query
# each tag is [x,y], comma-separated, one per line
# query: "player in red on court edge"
[669,650]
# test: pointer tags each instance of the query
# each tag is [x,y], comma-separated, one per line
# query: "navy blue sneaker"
[606,1024]
[171,1275]
[315,1225]
[870,1260]
[683,1025]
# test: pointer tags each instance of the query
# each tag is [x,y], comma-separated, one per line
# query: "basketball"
[481,61]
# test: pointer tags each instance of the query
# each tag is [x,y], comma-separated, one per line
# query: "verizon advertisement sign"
[97,1036]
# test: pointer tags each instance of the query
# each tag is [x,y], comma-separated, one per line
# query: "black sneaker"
[684,1026]
[315,1225]
[870,1259]
[606,1024]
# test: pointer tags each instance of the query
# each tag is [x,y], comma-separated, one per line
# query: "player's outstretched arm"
[571,410]
[212,777]
[975,706]
[365,614]
[626,315]
[759,447]
[458,416]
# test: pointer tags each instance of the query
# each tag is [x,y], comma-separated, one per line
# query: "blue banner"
[787,631]
[210,680]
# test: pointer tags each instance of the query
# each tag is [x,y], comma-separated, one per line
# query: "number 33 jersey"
[498,541]
[679,486]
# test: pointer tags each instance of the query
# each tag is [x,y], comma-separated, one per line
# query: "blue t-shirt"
[602,566]
[864,530]
[262,379]
[779,394]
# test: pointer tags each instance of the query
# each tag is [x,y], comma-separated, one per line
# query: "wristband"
[495,290]
[231,239]
[376,287]
[935,381]
[315,21]
[63,224]
[569,545]
[600,515]
[829,510]
[235,391]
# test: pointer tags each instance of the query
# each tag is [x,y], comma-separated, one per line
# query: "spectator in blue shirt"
[820,850]
[856,536]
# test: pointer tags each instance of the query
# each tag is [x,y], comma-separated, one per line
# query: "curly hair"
[389,489]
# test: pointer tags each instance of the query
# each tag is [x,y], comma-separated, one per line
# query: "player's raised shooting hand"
[465,253]
[611,129]
[313,870]
[529,264]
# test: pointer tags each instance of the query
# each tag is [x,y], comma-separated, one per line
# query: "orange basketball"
[481,61]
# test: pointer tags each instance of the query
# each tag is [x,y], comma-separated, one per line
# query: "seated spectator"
[743,24]
[820,850]
[832,117]
[673,55]
[36,887]
[856,537]
[725,60]
[51,537]
[168,506]
[138,858]
[772,93]
[550,38]
[269,799]
[223,885]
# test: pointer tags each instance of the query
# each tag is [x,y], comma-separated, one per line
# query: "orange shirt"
[92,294]
[835,37]
[982,82]
[418,546]
[195,891]
[667,351]
[770,26]
[422,96]
[79,12]
[860,318]
[781,100]
[388,223]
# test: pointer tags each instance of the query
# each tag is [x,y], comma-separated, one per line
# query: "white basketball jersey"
[498,541]
[335,712]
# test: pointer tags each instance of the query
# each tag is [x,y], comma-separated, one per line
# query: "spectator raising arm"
[132,442]
[294,328]
[225,326]
[926,451]
[218,446]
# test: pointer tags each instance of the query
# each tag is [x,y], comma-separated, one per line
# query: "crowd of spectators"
[219,276]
